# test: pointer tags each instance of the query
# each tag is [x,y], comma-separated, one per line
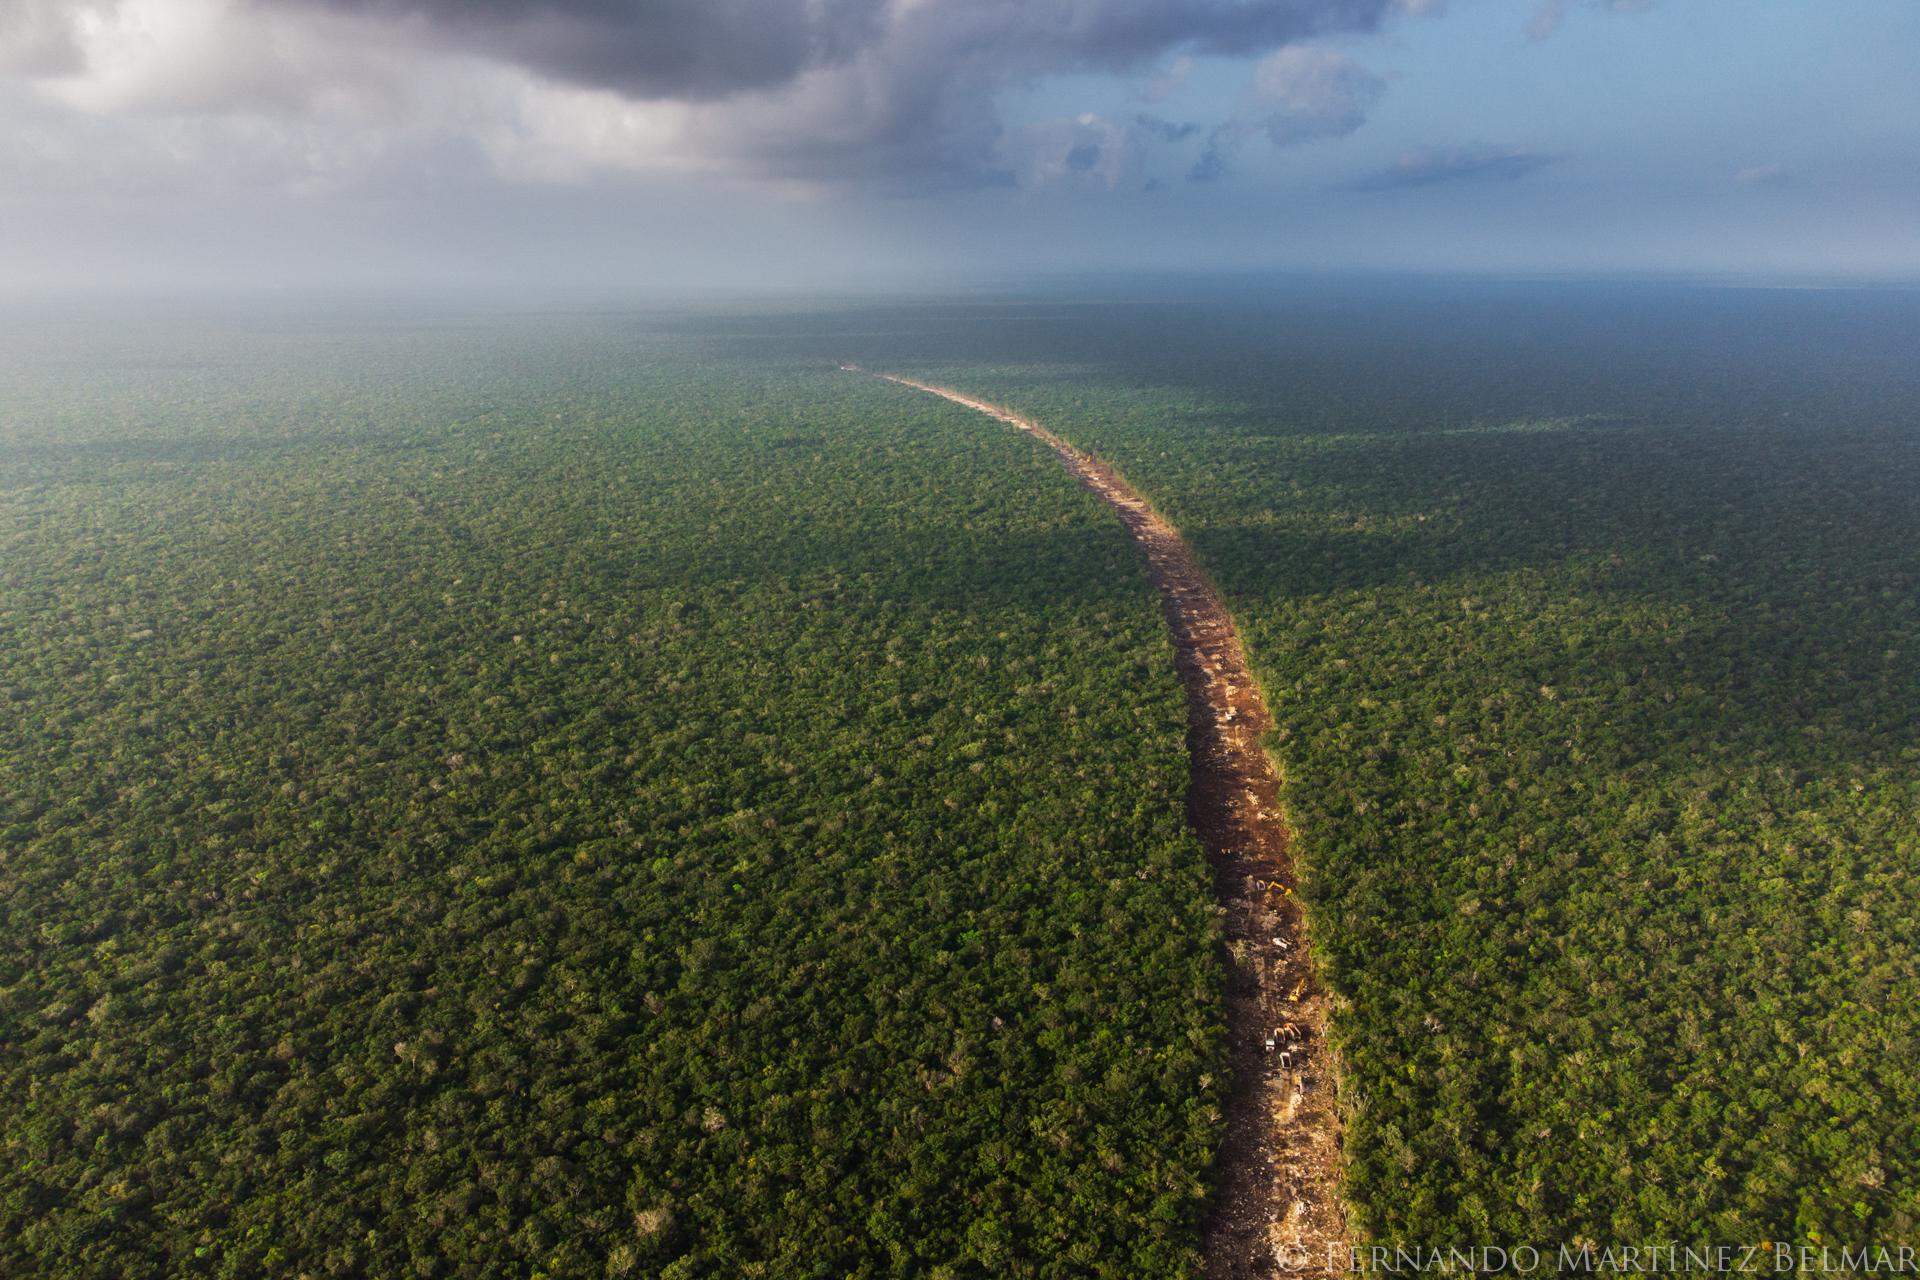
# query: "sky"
[156,145]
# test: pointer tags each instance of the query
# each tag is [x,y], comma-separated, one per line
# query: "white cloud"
[42,37]
[1170,80]
[1765,175]
[1301,93]
[1089,151]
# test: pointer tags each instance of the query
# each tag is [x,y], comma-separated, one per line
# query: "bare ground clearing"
[1277,1209]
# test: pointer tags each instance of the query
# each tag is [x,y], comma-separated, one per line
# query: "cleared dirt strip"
[1278,1209]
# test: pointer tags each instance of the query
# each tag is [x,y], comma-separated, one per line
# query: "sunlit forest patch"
[1593,649]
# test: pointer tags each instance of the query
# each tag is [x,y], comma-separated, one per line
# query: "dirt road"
[1277,1210]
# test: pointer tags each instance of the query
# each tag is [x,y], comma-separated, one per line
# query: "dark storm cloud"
[705,49]
[687,49]
[894,96]
[1429,167]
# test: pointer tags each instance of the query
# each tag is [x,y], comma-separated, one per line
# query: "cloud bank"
[898,95]
[1430,166]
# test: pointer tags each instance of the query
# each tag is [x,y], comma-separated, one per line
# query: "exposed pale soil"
[1278,1210]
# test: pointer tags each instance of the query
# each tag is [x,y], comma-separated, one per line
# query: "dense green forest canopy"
[1591,621]
[582,794]
[524,797]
